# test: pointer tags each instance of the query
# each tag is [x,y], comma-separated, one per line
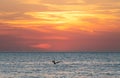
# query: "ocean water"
[73,65]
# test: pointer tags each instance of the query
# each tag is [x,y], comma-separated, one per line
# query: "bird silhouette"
[55,62]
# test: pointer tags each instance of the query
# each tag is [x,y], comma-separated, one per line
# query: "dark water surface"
[73,65]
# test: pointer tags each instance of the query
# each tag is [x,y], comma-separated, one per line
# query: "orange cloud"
[64,20]
[55,38]
[30,1]
[42,46]
[38,24]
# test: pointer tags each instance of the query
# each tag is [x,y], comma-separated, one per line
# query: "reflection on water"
[73,65]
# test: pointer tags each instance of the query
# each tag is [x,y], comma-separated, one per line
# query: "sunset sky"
[59,25]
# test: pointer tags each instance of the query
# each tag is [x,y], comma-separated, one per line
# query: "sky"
[59,25]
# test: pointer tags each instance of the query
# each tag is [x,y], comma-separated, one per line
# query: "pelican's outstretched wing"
[55,62]
[58,61]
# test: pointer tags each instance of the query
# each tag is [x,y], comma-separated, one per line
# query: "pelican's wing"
[58,61]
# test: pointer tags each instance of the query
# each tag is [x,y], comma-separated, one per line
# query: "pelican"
[55,62]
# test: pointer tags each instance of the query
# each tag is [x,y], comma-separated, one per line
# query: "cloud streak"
[52,25]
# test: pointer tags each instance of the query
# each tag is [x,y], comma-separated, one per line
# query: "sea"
[71,65]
